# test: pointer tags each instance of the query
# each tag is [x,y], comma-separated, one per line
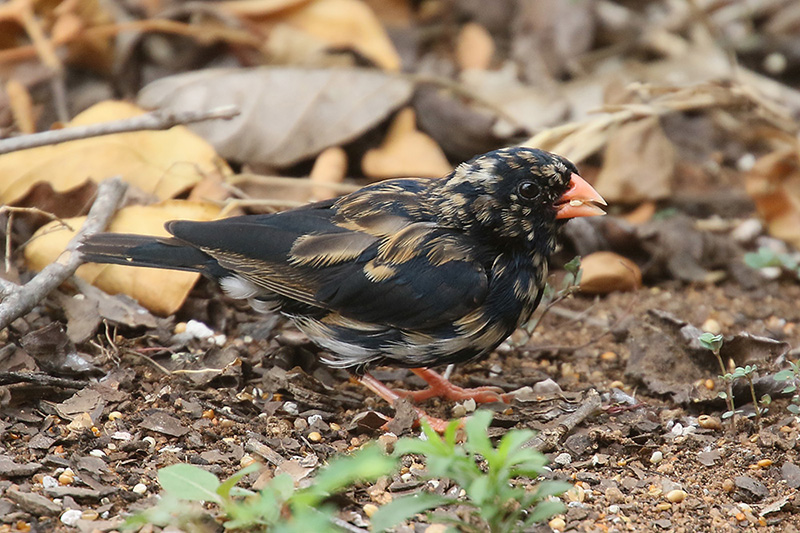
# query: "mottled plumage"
[408,272]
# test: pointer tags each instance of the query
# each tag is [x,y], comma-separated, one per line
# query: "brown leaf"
[774,185]
[405,151]
[639,163]
[290,114]
[605,272]
[163,163]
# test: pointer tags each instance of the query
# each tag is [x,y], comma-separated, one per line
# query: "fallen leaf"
[289,114]
[774,185]
[161,291]
[163,163]
[405,151]
[329,168]
[474,47]
[605,272]
[342,24]
[638,163]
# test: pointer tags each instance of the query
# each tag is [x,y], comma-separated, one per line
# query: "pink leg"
[441,387]
[373,384]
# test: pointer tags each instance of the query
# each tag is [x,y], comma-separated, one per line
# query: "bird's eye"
[528,190]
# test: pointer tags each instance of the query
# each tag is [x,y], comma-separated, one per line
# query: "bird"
[407,272]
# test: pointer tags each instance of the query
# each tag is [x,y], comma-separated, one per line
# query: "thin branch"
[156,120]
[21,300]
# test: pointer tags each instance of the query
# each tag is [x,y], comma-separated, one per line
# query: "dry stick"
[21,300]
[156,120]
[547,440]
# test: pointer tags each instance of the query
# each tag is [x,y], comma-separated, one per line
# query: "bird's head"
[518,195]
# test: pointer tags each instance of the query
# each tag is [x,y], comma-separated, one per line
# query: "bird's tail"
[144,251]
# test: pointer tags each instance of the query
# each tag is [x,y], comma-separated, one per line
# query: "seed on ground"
[676,495]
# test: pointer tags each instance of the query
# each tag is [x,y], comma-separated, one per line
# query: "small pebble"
[663,506]
[656,457]
[90,514]
[114,415]
[764,463]
[139,488]
[676,496]
[67,477]
[97,453]
[387,442]
[335,426]
[709,422]
[614,495]
[300,424]
[563,459]
[728,485]
[709,384]
[458,411]
[608,356]
[557,524]
[247,460]
[70,517]
[291,408]
[313,419]
[314,436]
[49,482]
[370,509]
[613,509]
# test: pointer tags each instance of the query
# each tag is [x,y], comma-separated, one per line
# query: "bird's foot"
[437,424]
[443,388]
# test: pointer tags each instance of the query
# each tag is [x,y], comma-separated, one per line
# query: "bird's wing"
[380,267]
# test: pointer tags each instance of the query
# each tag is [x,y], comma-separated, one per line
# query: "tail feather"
[145,251]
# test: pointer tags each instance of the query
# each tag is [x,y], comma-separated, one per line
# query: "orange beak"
[580,200]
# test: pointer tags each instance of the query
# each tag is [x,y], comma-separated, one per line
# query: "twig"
[548,439]
[40,378]
[156,120]
[11,210]
[20,301]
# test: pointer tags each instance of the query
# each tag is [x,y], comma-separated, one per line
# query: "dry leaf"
[348,24]
[161,291]
[638,163]
[288,114]
[605,272]
[329,168]
[163,163]
[406,152]
[774,185]
[474,47]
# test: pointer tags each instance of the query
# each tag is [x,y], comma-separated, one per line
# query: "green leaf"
[545,510]
[546,489]
[189,482]
[727,414]
[783,375]
[723,395]
[789,389]
[710,341]
[225,487]
[794,409]
[476,428]
[403,508]
[479,491]
[366,464]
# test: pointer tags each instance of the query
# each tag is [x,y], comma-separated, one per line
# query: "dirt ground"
[261,394]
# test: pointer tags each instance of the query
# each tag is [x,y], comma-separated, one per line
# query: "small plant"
[277,508]
[712,342]
[569,286]
[747,372]
[766,257]
[792,378]
[498,505]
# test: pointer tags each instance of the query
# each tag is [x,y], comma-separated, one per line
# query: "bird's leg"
[443,388]
[375,385]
